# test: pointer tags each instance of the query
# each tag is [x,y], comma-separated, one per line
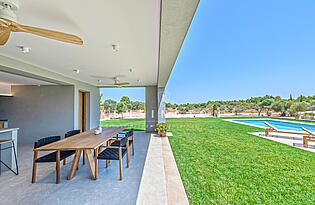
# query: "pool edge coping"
[243,123]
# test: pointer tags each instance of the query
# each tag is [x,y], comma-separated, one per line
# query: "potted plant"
[161,128]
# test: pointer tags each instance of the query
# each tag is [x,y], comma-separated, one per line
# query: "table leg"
[34,167]
[120,163]
[96,162]
[91,162]
[75,162]
[83,157]
[57,166]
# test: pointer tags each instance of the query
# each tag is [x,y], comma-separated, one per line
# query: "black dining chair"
[69,134]
[51,157]
[116,153]
[130,134]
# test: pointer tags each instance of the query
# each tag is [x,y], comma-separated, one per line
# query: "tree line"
[267,104]
[124,105]
[300,107]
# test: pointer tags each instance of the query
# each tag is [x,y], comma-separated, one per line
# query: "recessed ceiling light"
[25,49]
[77,71]
[115,47]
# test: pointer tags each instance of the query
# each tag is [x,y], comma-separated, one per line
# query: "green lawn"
[221,164]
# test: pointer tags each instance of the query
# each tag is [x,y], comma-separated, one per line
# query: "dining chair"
[116,153]
[131,141]
[51,157]
[69,134]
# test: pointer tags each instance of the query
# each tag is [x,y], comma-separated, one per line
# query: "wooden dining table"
[83,142]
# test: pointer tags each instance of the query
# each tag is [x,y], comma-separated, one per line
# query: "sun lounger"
[308,138]
[307,135]
[271,128]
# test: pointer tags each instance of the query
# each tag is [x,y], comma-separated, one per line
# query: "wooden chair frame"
[273,129]
[120,157]
[133,140]
[57,164]
[308,138]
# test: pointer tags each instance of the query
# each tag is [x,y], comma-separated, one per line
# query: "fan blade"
[106,77]
[4,35]
[59,36]
[121,83]
[110,86]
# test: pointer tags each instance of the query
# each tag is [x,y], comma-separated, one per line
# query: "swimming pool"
[281,125]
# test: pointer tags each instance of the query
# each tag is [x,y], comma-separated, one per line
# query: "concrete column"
[154,107]
[161,105]
[151,108]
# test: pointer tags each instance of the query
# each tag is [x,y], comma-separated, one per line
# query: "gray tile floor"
[108,189]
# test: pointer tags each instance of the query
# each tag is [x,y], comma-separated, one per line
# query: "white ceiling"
[133,25]
[11,79]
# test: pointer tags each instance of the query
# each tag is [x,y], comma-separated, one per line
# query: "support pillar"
[151,115]
[154,107]
[161,105]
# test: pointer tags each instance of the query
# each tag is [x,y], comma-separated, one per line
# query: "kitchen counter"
[8,155]
[3,130]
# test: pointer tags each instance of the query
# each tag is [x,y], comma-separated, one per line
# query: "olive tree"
[121,107]
[296,108]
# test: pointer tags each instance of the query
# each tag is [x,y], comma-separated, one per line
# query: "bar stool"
[13,147]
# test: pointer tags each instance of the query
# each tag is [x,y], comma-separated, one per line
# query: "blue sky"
[244,48]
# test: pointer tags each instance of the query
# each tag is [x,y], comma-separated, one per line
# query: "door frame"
[83,110]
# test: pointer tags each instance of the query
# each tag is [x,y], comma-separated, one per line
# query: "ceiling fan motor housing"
[9,7]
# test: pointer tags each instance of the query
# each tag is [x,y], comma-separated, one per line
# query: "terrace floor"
[107,189]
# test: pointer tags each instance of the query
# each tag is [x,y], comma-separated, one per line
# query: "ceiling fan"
[117,83]
[8,24]
[116,80]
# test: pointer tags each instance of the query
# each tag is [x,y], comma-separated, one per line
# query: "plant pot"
[163,134]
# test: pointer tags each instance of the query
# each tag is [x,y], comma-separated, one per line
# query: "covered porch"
[48,88]
[107,189]
[152,178]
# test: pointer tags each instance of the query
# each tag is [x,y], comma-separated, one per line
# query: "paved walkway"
[161,183]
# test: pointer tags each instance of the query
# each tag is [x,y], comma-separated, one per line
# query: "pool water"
[281,125]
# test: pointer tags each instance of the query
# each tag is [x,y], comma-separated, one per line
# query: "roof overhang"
[158,32]
[176,17]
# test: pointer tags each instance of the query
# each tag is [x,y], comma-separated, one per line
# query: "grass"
[136,124]
[221,164]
